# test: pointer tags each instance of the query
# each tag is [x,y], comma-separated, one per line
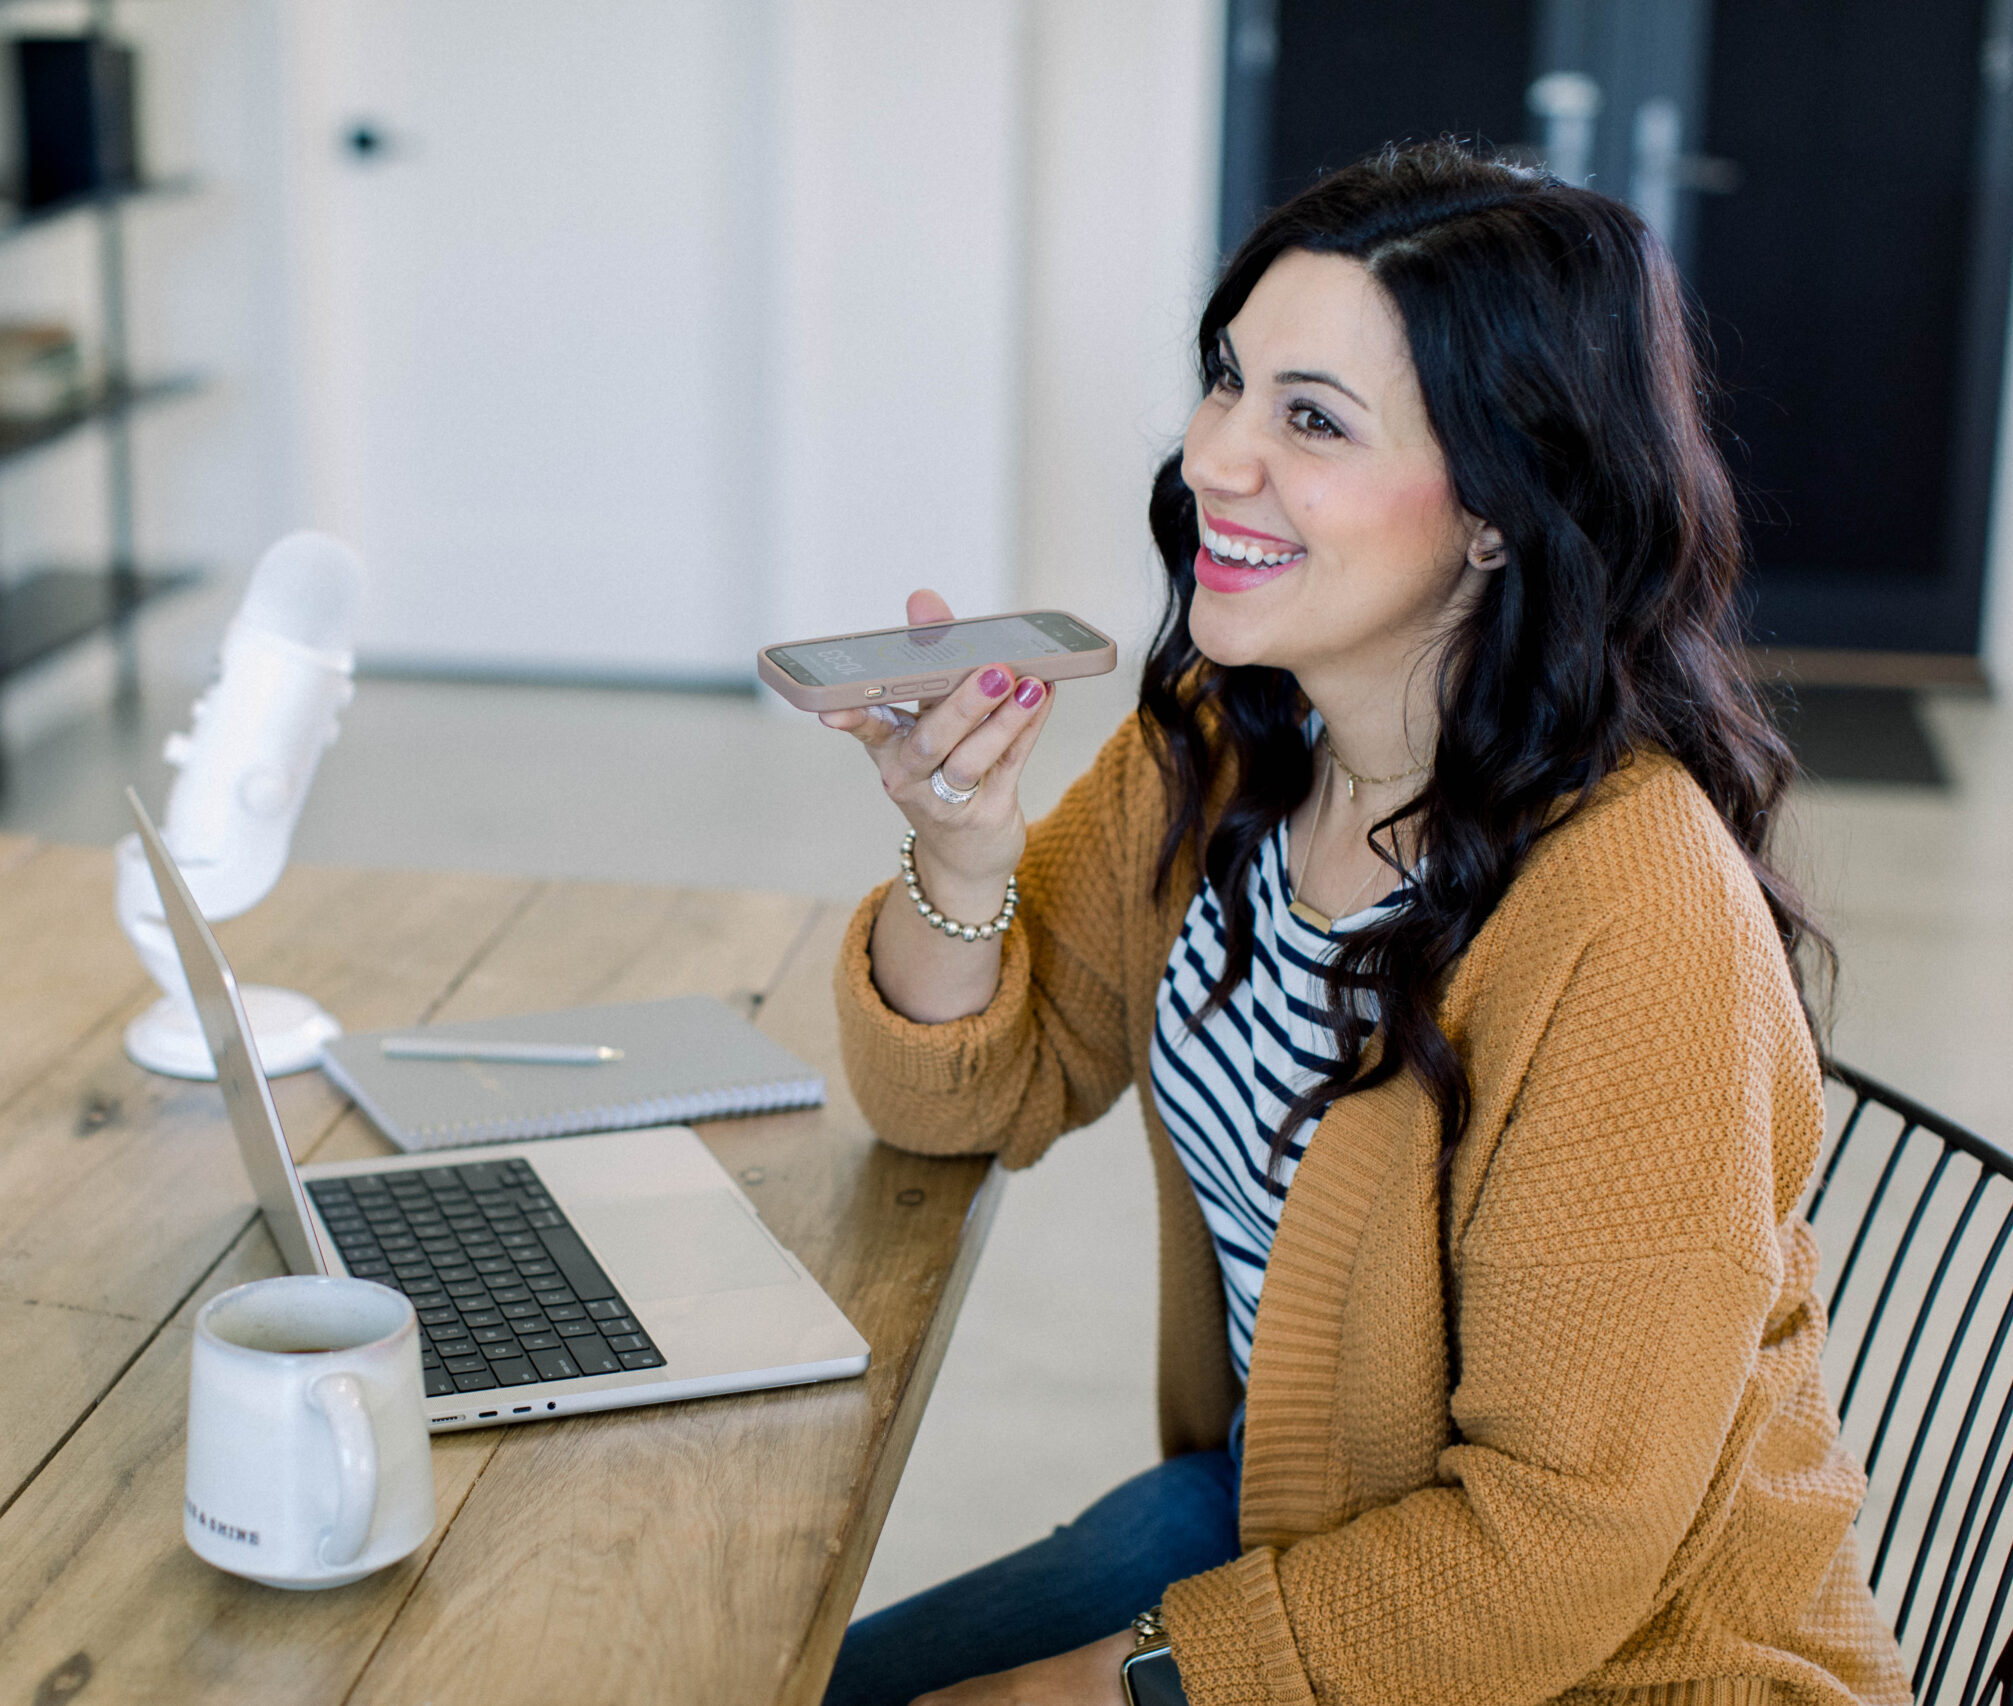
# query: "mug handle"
[339,1397]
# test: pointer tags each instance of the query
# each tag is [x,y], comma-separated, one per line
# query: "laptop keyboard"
[506,1291]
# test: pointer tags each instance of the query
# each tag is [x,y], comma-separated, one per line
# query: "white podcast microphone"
[246,764]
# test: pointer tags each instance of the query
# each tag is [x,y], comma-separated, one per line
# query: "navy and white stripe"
[1222,1090]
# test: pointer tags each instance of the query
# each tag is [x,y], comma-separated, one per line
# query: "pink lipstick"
[1231,530]
[1236,577]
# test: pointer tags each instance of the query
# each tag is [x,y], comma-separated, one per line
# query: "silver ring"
[945,792]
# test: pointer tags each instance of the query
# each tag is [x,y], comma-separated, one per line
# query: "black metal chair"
[1914,1214]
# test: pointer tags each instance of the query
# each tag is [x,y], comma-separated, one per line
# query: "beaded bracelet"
[995,926]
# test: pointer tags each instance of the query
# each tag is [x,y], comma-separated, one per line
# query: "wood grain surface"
[68,970]
[703,1552]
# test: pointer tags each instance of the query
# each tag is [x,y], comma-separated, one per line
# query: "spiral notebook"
[689,1059]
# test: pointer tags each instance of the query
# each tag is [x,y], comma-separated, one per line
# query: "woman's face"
[1313,449]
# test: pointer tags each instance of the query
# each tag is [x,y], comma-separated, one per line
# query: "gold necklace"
[1368,781]
[1298,907]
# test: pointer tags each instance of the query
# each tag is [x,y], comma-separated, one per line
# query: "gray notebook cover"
[692,1058]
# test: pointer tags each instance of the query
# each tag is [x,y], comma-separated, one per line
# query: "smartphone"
[888,665]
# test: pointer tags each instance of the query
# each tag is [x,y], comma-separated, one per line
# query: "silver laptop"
[550,1278]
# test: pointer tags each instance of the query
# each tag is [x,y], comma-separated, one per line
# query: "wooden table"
[703,1552]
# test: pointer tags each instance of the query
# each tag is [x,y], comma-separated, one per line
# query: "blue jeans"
[1087,1580]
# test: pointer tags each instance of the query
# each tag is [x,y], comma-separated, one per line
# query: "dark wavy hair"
[1557,359]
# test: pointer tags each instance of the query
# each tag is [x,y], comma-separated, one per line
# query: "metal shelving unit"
[44,612]
[45,609]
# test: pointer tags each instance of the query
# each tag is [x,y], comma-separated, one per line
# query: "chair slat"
[1894,1268]
[1994,1679]
[1998,1607]
[1944,1516]
[1955,1627]
[1837,1154]
[1867,1219]
[2001,1679]
[1933,1406]
[1948,1482]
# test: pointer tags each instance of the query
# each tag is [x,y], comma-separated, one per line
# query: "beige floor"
[1045,1398]
[1917,888]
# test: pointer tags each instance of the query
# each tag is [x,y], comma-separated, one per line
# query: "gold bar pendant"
[1307,915]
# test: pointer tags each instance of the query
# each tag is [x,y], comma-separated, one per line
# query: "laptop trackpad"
[658,1248]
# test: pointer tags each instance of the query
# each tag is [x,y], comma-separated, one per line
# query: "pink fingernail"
[1028,694]
[993,683]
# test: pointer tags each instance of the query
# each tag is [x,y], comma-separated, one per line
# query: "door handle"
[368,142]
[1568,102]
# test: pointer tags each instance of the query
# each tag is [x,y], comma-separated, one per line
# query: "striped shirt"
[1222,1090]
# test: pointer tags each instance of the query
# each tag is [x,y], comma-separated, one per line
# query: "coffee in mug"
[309,1464]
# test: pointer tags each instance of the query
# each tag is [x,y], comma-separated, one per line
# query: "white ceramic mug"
[309,1463]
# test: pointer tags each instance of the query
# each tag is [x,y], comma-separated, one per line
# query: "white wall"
[1997,641]
[533,327]
[1007,205]
[950,253]
[1125,116]
[898,293]
[952,273]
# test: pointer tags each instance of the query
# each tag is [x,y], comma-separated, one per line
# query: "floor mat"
[1860,734]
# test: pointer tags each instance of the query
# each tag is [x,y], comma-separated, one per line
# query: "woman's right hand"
[980,735]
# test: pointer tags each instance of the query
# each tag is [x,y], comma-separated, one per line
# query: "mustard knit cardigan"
[1635,1491]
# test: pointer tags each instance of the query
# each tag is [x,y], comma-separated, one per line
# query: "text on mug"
[249,1535]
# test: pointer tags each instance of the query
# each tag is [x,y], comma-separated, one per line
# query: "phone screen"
[954,646]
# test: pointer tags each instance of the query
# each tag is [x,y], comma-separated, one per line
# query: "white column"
[893,378]
[1996,647]
[1125,133]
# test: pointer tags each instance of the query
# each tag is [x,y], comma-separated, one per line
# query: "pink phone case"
[893,690]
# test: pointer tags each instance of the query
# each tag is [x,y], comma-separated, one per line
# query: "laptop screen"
[247,1096]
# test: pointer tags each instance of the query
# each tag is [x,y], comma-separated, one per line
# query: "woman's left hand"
[1086,1677]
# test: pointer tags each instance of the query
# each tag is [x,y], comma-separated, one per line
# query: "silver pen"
[525,1054]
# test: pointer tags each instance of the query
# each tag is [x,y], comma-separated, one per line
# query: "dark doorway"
[1838,281]
[1836,180]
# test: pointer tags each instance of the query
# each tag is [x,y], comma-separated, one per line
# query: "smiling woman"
[1429,895]
[1376,560]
